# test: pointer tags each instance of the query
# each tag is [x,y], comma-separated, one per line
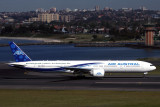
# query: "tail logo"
[18,53]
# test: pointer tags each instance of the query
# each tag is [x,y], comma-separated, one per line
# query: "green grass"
[70,98]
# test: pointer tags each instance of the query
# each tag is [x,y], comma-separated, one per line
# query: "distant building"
[68,10]
[34,19]
[10,20]
[84,10]
[53,10]
[40,10]
[126,9]
[75,10]
[45,17]
[143,8]
[97,8]
[66,18]
[106,8]
[156,16]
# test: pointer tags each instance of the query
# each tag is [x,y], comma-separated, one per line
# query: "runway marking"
[140,83]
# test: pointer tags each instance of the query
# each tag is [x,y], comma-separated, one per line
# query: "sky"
[29,5]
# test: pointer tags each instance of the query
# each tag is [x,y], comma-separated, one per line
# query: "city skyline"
[29,5]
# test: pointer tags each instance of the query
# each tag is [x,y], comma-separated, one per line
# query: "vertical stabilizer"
[18,54]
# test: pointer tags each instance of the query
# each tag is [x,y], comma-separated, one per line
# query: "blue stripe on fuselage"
[86,64]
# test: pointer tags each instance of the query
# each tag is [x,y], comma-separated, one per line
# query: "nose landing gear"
[144,75]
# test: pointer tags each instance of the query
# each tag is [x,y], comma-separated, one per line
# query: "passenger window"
[100,65]
[95,66]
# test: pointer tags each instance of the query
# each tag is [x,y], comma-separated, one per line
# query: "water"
[5,41]
[69,52]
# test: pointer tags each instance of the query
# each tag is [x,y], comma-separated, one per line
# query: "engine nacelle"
[69,71]
[98,72]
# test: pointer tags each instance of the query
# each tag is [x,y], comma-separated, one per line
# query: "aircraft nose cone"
[153,68]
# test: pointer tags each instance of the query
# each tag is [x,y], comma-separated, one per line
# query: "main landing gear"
[79,75]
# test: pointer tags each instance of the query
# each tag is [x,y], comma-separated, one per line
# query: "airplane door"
[39,65]
[123,68]
[35,66]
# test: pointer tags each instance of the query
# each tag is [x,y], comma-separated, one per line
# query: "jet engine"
[97,72]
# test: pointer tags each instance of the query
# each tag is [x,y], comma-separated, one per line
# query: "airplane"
[95,68]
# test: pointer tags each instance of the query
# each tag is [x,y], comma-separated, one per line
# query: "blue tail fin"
[18,54]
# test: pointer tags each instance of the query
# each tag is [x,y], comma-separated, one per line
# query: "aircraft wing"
[80,68]
[77,70]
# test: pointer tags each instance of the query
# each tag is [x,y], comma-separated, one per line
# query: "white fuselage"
[107,66]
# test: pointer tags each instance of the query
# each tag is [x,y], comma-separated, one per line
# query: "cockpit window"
[151,65]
